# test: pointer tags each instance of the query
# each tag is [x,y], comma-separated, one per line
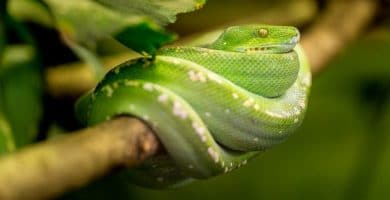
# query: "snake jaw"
[274,48]
[279,48]
[283,47]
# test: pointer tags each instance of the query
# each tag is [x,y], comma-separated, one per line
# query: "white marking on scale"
[145,117]
[178,110]
[201,77]
[162,98]
[213,154]
[235,95]
[301,104]
[248,102]
[131,83]
[132,106]
[297,110]
[148,86]
[200,130]
[108,90]
[272,114]
[175,61]
[256,106]
[226,169]
[285,113]
[306,81]
[207,114]
[193,76]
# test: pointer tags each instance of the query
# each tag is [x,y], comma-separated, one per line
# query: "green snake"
[214,106]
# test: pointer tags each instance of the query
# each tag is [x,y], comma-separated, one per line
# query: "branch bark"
[50,168]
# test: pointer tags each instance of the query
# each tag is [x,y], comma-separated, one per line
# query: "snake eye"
[263,32]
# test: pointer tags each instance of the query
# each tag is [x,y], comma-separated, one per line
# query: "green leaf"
[2,36]
[162,12]
[3,39]
[20,93]
[133,37]
[30,10]
[88,21]
[7,143]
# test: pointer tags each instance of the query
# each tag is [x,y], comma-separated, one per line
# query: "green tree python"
[213,107]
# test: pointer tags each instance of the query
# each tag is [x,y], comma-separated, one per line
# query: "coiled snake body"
[212,107]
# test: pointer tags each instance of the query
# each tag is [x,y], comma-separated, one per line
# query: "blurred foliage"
[2,37]
[29,10]
[20,85]
[73,19]
[338,153]
[20,93]
[7,143]
[81,24]
[162,12]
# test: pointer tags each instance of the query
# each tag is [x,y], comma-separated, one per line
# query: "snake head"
[258,38]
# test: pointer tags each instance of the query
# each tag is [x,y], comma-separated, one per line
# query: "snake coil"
[213,107]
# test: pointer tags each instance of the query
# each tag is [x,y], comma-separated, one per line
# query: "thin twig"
[50,168]
[74,79]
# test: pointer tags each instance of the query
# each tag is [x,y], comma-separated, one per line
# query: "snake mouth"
[279,48]
[284,47]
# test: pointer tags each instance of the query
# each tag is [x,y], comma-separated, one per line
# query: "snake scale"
[214,106]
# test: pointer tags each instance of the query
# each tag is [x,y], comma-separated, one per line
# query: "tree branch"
[342,22]
[50,168]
